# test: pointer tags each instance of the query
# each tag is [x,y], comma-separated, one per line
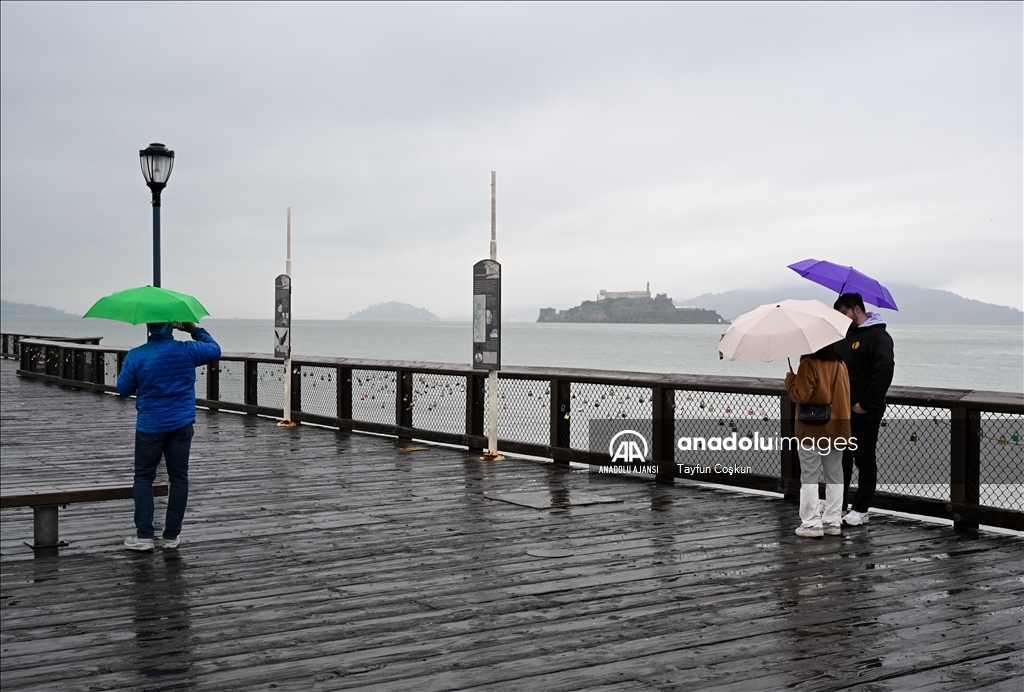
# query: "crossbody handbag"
[819,414]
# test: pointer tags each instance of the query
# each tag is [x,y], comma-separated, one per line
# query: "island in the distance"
[631,307]
[394,312]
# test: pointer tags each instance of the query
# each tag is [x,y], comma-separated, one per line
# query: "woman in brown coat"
[821,379]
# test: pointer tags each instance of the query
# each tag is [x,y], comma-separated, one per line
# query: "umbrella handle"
[790,364]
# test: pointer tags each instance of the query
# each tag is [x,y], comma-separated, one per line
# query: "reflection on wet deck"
[314,560]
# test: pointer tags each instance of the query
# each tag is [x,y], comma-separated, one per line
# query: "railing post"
[99,367]
[475,408]
[560,405]
[403,401]
[965,462]
[344,389]
[69,364]
[790,462]
[213,381]
[296,396]
[252,382]
[54,360]
[120,361]
[663,433]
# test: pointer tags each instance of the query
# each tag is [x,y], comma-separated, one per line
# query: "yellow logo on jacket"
[855,345]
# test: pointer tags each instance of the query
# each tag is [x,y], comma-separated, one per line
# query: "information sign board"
[282,316]
[487,315]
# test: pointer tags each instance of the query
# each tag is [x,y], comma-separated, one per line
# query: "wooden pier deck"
[319,560]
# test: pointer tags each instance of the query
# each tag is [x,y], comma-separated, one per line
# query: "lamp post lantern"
[157,162]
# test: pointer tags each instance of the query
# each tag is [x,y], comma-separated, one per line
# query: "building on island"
[604,295]
[631,307]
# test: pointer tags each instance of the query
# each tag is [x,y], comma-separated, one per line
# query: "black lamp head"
[157,162]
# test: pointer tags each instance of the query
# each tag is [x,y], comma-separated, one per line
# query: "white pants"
[811,464]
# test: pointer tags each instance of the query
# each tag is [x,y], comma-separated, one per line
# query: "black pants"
[863,427]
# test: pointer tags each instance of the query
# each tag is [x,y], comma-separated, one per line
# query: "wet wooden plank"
[313,559]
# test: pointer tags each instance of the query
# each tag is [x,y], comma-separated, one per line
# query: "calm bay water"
[987,358]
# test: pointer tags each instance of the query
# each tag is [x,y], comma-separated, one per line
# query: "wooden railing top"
[62,339]
[1004,402]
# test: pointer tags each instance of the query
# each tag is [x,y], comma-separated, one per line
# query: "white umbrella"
[787,328]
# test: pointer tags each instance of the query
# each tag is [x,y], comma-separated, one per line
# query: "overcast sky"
[701,147]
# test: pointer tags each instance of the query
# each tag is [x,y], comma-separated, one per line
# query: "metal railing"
[954,454]
[9,343]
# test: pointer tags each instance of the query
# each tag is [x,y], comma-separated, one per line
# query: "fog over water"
[986,358]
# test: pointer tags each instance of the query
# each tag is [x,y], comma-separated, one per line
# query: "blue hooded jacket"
[162,372]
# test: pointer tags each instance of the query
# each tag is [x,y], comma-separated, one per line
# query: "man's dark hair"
[850,301]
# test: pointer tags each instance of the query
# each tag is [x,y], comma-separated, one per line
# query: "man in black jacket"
[868,354]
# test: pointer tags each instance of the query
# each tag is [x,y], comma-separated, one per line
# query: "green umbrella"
[148,304]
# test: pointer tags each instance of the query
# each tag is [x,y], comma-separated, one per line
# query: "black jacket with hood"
[868,354]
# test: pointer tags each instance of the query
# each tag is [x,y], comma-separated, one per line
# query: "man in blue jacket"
[162,372]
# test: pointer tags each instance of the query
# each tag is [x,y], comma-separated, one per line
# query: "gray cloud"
[701,147]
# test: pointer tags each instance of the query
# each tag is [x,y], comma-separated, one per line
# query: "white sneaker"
[810,531]
[170,543]
[832,529]
[855,518]
[136,543]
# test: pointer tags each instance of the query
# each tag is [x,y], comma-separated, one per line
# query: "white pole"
[492,376]
[291,320]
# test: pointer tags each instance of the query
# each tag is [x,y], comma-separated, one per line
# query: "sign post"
[487,327]
[283,326]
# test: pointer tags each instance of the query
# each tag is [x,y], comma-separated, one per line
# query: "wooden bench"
[44,503]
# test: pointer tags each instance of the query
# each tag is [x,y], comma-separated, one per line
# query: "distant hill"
[394,312]
[658,310]
[28,310]
[917,305]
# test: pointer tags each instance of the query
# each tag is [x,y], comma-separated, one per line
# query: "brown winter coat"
[812,384]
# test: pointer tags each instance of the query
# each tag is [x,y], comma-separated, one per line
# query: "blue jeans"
[174,447]
[864,427]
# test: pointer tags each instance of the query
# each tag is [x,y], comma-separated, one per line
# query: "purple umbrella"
[845,280]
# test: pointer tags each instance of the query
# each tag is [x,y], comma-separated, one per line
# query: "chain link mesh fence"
[319,390]
[201,381]
[232,381]
[523,410]
[914,442]
[589,401]
[913,451]
[109,369]
[373,396]
[1002,460]
[270,385]
[753,417]
[439,402]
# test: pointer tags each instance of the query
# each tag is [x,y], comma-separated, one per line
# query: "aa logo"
[628,450]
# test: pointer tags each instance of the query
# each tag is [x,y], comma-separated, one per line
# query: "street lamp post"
[157,162]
